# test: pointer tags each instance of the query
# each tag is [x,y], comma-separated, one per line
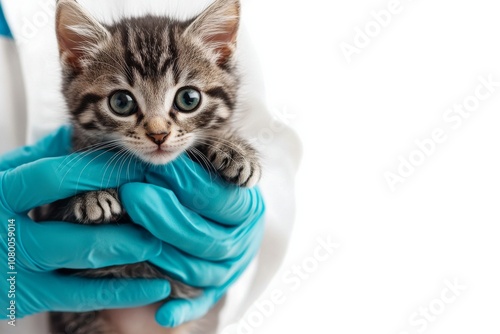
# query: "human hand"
[211,231]
[30,252]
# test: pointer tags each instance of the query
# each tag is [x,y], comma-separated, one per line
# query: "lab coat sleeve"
[13,110]
[13,134]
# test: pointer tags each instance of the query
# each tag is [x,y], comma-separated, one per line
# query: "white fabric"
[33,106]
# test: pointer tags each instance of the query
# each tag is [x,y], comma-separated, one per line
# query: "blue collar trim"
[4,27]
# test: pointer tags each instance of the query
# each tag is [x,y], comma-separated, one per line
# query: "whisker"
[124,160]
[110,163]
[222,141]
[80,157]
[90,148]
[209,144]
[204,160]
[83,169]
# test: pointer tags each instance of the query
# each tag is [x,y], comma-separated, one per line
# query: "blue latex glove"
[42,248]
[212,231]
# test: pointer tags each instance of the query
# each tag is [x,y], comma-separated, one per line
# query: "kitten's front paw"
[238,165]
[97,207]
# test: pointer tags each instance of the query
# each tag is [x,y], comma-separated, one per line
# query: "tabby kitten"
[154,87]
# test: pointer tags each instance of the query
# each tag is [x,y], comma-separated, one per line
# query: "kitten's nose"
[158,138]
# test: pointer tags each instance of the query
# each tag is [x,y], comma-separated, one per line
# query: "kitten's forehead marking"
[150,48]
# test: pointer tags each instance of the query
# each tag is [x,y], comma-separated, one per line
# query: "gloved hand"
[212,231]
[31,252]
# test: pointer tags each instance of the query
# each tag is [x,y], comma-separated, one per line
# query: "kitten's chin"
[159,157]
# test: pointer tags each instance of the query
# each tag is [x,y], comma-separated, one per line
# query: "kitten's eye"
[122,103]
[187,99]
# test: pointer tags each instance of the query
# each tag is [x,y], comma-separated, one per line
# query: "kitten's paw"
[97,207]
[238,165]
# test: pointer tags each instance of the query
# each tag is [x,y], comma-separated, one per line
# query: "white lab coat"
[33,106]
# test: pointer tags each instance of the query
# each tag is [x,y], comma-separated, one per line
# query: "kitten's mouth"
[160,156]
[161,152]
[161,149]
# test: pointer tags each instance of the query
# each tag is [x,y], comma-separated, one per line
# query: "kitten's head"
[151,85]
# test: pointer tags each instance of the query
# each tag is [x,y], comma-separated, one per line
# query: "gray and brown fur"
[152,57]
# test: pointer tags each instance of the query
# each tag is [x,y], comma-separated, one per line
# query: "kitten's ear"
[77,32]
[218,27]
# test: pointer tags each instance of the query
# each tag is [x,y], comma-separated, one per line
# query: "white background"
[355,120]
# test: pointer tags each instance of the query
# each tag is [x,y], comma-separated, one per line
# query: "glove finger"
[48,180]
[197,272]
[176,312]
[194,271]
[179,311]
[159,211]
[207,194]
[53,145]
[79,294]
[54,245]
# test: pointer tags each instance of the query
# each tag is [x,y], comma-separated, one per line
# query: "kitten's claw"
[254,176]
[238,165]
[97,207]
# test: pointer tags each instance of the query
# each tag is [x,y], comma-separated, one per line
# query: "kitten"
[154,87]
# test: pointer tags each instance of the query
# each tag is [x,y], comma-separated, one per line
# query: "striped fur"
[151,57]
